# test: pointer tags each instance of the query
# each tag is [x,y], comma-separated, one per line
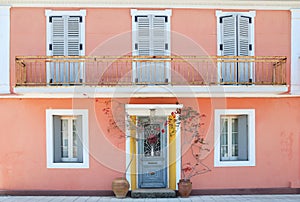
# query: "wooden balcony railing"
[151,70]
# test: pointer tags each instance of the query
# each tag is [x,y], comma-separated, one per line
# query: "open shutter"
[228,44]
[159,42]
[57,139]
[243,138]
[143,35]
[58,36]
[73,35]
[79,142]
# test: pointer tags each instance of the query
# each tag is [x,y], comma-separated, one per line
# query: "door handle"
[152,163]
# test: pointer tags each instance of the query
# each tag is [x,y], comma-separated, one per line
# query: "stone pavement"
[225,198]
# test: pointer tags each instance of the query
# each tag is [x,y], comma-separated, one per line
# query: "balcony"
[133,71]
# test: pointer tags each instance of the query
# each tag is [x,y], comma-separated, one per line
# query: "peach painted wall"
[23,145]
[108,32]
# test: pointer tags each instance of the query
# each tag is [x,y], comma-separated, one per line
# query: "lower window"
[235,137]
[67,139]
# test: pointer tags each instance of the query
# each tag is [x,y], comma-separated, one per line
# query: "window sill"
[234,163]
[67,165]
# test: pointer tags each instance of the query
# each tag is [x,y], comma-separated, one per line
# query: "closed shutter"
[65,33]
[235,36]
[244,48]
[143,35]
[73,36]
[243,137]
[151,40]
[58,36]
[228,44]
[65,40]
[57,139]
[159,41]
[244,36]
[228,47]
[151,35]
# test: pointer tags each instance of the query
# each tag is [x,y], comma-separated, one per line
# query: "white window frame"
[50,113]
[5,49]
[251,137]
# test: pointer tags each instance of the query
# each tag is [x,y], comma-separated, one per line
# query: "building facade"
[90,91]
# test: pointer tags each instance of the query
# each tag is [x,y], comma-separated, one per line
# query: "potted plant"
[120,185]
[191,124]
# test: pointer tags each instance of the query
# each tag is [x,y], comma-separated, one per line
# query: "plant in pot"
[116,125]
[191,125]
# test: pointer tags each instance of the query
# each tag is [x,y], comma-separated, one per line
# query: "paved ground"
[227,198]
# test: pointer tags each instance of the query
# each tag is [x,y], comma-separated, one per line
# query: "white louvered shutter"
[243,138]
[57,139]
[228,44]
[65,41]
[58,36]
[65,35]
[143,35]
[244,48]
[73,36]
[228,47]
[159,42]
[244,43]
[151,40]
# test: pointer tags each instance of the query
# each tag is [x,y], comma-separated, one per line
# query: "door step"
[153,193]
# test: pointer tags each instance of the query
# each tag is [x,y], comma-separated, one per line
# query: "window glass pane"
[234,137]
[224,137]
[75,139]
[64,138]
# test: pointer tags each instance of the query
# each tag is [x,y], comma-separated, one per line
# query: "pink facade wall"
[108,32]
[23,146]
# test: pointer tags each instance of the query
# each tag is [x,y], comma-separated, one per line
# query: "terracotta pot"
[184,188]
[120,187]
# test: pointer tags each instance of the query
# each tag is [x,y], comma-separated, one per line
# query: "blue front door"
[152,165]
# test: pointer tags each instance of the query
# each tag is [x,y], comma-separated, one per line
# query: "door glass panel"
[152,142]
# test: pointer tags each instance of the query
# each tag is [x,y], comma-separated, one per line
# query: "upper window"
[151,37]
[235,31]
[67,139]
[234,138]
[151,32]
[65,37]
